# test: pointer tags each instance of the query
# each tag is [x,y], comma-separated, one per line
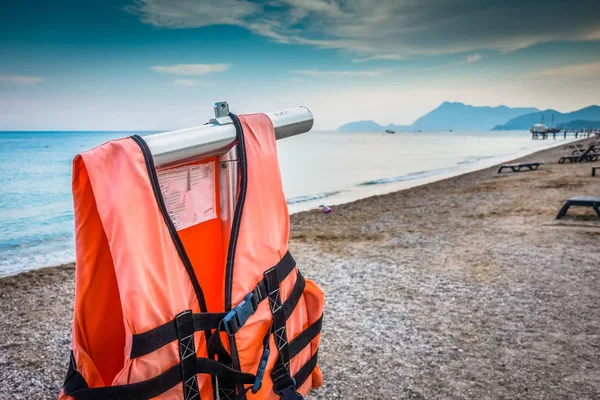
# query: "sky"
[161,64]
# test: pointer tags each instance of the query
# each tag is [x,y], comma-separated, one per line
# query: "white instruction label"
[189,194]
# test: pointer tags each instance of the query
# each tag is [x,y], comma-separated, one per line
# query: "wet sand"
[467,288]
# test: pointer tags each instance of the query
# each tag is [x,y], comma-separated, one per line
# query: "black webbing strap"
[283,384]
[152,340]
[149,341]
[304,338]
[295,346]
[212,367]
[187,354]
[76,387]
[135,391]
[74,380]
[305,371]
[289,305]
[238,316]
[283,268]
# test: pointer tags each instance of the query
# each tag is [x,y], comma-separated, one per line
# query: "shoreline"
[384,189]
[466,287]
[396,184]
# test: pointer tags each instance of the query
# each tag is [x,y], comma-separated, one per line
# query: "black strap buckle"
[260,373]
[237,317]
[289,392]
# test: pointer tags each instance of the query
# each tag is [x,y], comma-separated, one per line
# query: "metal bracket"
[221,114]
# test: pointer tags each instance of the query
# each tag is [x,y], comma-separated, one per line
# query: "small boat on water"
[390,131]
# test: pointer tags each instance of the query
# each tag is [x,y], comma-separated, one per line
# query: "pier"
[564,134]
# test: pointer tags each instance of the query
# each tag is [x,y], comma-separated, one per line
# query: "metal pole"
[228,179]
[218,136]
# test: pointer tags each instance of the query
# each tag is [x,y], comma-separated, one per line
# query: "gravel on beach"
[466,288]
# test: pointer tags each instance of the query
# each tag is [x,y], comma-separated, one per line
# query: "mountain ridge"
[581,124]
[524,122]
[448,115]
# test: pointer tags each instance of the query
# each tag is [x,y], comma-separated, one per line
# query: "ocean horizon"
[318,168]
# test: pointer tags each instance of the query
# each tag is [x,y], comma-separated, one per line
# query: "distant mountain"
[524,122]
[455,116]
[580,124]
[462,117]
[371,126]
[362,126]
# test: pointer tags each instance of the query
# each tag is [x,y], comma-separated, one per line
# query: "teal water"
[36,219]
[36,209]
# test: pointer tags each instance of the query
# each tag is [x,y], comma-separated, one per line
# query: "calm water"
[36,220]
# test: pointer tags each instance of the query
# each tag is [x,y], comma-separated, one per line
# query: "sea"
[318,169]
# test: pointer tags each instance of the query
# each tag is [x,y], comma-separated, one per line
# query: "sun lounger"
[579,159]
[595,150]
[580,201]
[518,167]
[594,169]
[587,156]
[572,146]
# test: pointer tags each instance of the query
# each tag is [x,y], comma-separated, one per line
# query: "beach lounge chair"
[594,169]
[518,167]
[580,201]
[587,156]
[595,150]
[572,146]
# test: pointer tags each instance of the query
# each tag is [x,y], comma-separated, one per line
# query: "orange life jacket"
[170,314]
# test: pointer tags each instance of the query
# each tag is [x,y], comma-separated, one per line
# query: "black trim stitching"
[77,387]
[235,230]
[237,218]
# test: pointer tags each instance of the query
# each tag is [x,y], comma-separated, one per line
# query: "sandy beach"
[466,288]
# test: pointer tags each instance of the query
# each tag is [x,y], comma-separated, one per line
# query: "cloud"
[468,60]
[185,82]
[590,70]
[191,69]
[378,57]
[21,80]
[338,74]
[388,29]
[473,58]
[177,14]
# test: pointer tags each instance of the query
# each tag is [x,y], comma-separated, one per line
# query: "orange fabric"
[98,324]
[130,277]
[262,242]
[204,247]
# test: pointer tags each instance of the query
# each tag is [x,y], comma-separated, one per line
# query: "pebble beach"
[466,288]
